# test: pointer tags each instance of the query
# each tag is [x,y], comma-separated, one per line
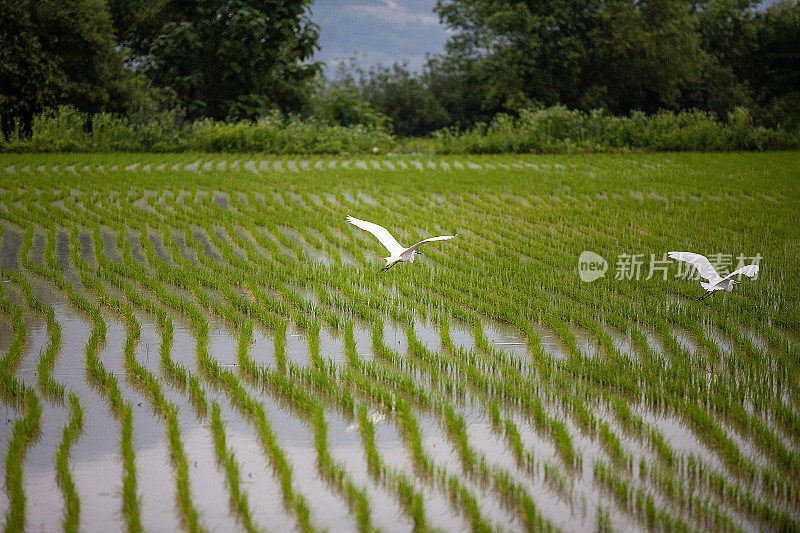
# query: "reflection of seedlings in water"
[136,251]
[155,239]
[283,250]
[587,343]
[394,336]
[654,342]
[187,253]
[222,234]
[461,334]
[62,249]
[37,250]
[221,199]
[9,248]
[622,342]
[87,253]
[312,252]
[550,342]
[427,333]
[505,337]
[344,256]
[723,341]
[200,236]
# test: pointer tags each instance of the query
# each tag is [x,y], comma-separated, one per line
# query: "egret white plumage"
[714,282]
[397,252]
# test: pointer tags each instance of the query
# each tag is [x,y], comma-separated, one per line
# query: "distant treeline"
[206,74]
[553,129]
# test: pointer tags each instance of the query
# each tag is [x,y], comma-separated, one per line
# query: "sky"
[377,31]
[380,31]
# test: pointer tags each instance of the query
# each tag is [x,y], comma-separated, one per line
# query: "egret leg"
[387,267]
[706,295]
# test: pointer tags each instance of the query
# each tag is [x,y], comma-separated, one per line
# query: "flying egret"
[708,272]
[397,252]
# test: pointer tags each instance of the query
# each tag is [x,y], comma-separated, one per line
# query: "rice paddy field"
[201,342]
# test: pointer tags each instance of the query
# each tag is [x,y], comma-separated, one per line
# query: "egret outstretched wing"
[700,262]
[750,271]
[430,239]
[382,234]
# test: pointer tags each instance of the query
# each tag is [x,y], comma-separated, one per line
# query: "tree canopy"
[621,55]
[57,52]
[230,58]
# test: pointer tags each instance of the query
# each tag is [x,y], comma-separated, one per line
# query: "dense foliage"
[554,129]
[210,58]
[234,60]
[625,56]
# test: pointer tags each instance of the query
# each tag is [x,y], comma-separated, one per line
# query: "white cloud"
[391,12]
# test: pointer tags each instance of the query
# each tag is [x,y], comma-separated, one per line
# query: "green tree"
[773,70]
[616,54]
[404,98]
[57,52]
[230,58]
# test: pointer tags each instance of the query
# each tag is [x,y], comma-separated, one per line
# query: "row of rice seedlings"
[514,493]
[27,428]
[510,491]
[56,392]
[419,455]
[636,500]
[321,377]
[149,385]
[249,407]
[176,372]
[309,408]
[102,379]
[238,498]
[418,345]
[696,472]
[227,460]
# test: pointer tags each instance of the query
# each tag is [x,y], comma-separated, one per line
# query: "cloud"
[390,12]
[378,31]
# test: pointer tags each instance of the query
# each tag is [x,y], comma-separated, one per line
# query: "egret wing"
[700,262]
[430,239]
[381,233]
[750,271]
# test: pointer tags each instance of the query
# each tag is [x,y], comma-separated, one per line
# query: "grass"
[268,253]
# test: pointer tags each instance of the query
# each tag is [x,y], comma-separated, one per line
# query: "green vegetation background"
[240,75]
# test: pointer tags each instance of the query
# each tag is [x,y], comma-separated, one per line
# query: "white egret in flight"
[397,252]
[707,271]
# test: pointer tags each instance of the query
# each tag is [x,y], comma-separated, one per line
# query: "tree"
[621,55]
[56,52]
[773,70]
[404,98]
[230,58]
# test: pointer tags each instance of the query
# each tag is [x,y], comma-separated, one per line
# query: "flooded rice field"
[210,346]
